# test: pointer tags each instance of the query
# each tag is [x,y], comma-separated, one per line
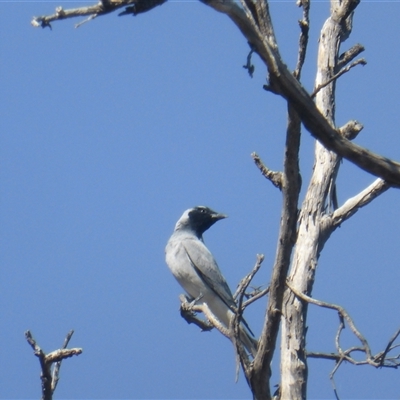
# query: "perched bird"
[197,272]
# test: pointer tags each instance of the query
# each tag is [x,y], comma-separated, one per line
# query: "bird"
[196,270]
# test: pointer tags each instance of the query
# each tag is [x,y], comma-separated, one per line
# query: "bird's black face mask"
[202,218]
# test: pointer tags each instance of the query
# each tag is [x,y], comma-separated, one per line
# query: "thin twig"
[339,332]
[335,391]
[361,61]
[379,360]
[245,282]
[57,365]
[241,354]
[255,297]
[349,55]
[303,40]
[88,19]
[388,348]
[240,292]
[340,310]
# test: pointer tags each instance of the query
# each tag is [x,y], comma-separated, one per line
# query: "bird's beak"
[217,217]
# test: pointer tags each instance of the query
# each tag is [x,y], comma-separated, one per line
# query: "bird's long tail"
[249,342]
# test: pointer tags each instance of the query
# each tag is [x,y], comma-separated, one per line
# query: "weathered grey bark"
[311,235]
[50,363]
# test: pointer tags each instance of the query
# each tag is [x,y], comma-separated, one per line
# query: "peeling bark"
[311,237]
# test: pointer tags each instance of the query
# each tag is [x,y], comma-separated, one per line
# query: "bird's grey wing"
[206,267]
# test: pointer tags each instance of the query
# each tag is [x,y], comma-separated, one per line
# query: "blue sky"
[109,132]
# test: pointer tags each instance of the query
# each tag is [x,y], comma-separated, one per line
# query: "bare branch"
[101,8]
[284,83]
[273,176]
[291,185]
[88,19]
[349,55]
[265,22]
[93,11]
[339,357]
[241,355]
[351,129]
[343,313]
[339,332]
[325,356]
[237,319]
[37,350]
[188,311]
[342,10]
[377,361]
[381,357]
[255,297]
[351,206]
[281,80]
[303,40]
[189,308]
[212,318]
[46,361]
[361,61]
[57,365]
[245,282]
[45,376]
[189,314]
[61,354]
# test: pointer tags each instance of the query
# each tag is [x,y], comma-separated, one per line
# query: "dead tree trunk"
[319,203]
[312,234]
[302,234]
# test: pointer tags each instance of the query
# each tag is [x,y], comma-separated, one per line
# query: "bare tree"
[304,229]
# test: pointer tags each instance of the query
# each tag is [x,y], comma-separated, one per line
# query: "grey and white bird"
[196,270]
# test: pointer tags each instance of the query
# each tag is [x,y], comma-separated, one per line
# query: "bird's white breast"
[182,268]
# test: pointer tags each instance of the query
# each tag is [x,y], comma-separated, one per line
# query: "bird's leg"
[198,298]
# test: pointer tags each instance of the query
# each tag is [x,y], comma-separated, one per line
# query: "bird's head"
[198,219]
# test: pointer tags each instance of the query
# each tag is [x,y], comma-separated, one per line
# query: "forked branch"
[361,61]
[378,360]
[284,83]
[48,376]
[189,308]
[237,318]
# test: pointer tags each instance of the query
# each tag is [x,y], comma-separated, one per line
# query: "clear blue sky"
[109,132]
